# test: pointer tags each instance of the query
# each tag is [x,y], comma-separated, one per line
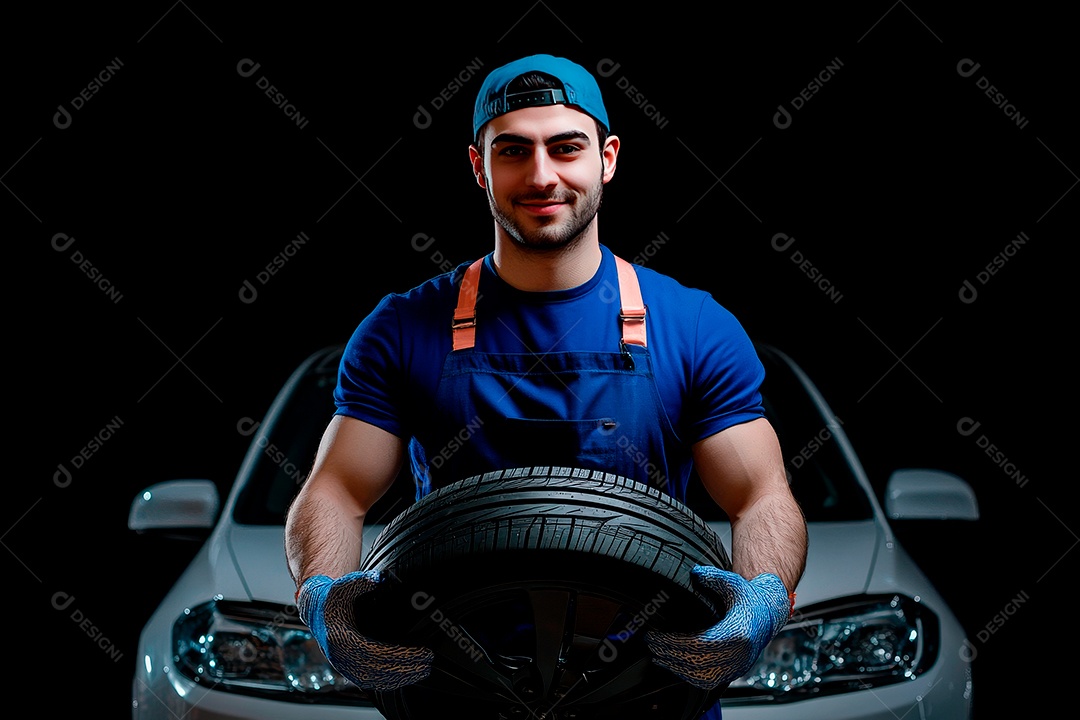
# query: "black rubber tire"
[533,586]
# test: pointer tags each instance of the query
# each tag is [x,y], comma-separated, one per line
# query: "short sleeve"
[727,376]
[369,375]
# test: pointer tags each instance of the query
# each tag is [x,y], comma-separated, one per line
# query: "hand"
[757,610]
[326,607]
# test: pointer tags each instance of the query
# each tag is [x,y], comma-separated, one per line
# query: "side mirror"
[929,494]
[175,505]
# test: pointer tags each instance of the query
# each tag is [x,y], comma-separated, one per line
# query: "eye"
[565,150]
[513,151]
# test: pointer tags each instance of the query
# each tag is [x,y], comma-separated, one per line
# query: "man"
[551,351]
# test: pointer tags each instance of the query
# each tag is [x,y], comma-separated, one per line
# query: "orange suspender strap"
[464,326]
[632,314]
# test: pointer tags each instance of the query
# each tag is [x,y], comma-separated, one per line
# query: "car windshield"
[819,473]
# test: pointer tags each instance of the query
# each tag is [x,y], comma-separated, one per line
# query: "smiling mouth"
[542,208]
[541,204]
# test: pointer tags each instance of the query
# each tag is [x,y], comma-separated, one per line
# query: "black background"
[179,182]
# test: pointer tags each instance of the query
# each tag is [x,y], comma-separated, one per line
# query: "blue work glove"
[757,610]
[326,607]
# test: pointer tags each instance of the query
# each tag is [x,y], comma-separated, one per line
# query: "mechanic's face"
[544,173]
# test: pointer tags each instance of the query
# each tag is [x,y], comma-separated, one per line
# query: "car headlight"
[260,649]
[843,646]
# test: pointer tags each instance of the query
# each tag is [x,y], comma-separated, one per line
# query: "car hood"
[844,559]
[258,556]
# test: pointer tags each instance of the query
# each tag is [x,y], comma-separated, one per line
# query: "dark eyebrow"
[521,140]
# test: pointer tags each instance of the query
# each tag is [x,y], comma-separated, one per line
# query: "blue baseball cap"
[579,89]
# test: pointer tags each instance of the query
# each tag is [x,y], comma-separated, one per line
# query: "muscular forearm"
[770,537]
[322,536]
[355,465]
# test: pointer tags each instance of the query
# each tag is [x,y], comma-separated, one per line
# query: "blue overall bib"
[593,410]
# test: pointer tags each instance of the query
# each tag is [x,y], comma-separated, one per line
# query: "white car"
[871,638]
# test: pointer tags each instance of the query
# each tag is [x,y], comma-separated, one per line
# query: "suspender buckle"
[633,325]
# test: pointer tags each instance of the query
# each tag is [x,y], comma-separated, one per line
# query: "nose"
[542,170]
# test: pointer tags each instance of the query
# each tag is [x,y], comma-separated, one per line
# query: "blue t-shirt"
[707,372]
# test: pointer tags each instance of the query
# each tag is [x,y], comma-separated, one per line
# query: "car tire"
[534,587]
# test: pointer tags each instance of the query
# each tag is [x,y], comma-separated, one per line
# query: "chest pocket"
[589,443]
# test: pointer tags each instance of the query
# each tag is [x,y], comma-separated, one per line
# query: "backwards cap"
[579,89]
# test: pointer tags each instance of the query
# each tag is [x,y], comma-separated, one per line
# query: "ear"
[609,156]
[477,162]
